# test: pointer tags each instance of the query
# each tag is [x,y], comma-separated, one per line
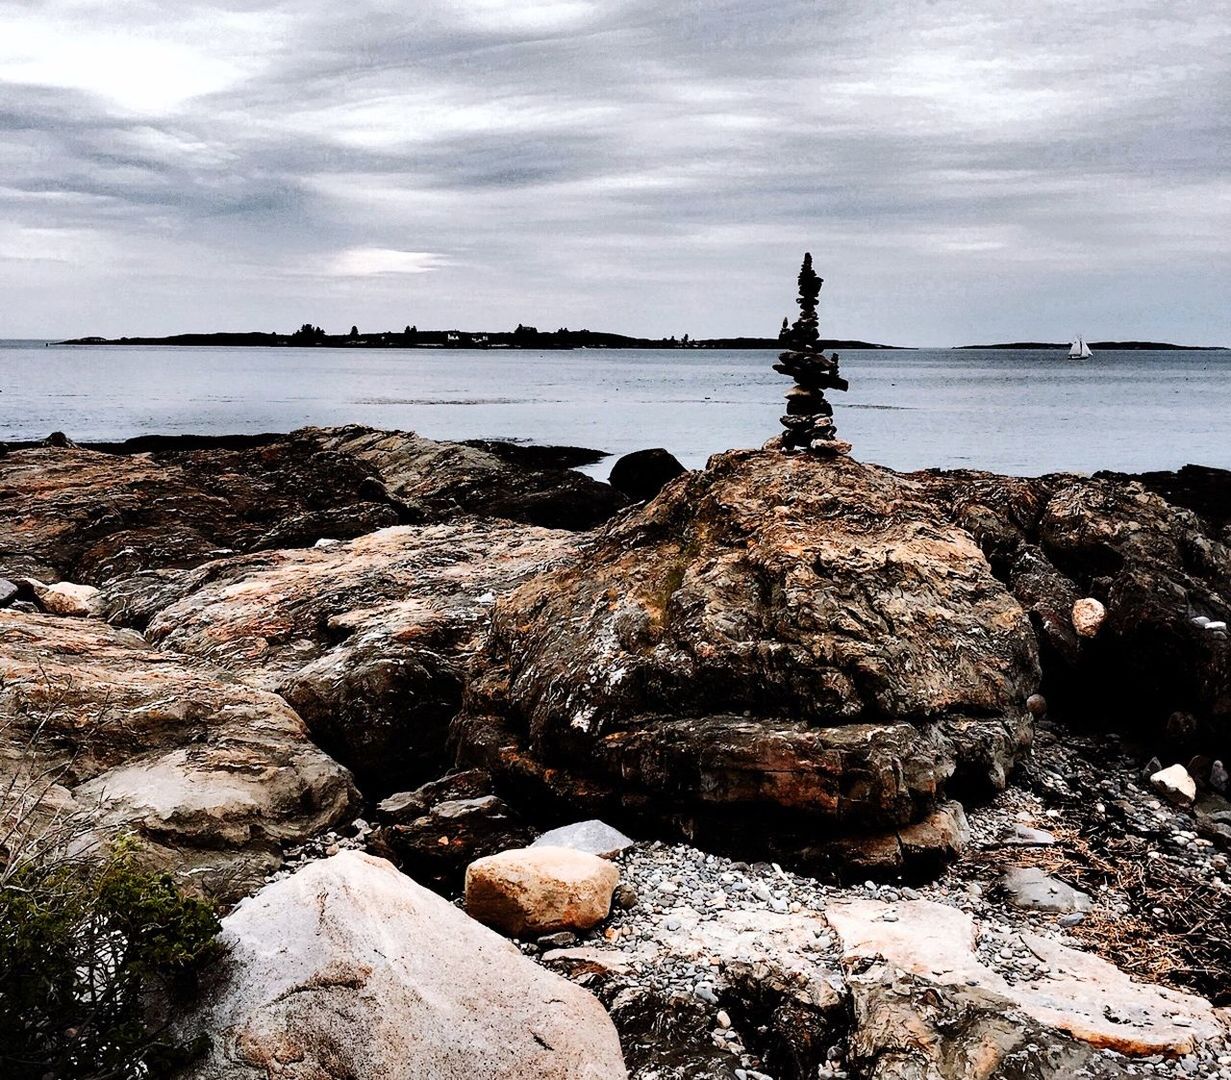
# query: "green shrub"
[94,953]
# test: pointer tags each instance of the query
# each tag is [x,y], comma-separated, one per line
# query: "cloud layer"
[961,171]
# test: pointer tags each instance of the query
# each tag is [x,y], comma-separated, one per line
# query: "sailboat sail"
[1079,350]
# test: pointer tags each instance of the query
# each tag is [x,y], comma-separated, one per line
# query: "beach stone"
[67,598]
[8,592]
[1088,617]
[593,836]
[540,890]
[644,473]
[436,847]
[349,969]
[1025,836]
[1030,888]
[1036,705]
[1072,1004]
[1175,785]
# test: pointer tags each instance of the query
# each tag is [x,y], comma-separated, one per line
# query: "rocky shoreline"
[884,741]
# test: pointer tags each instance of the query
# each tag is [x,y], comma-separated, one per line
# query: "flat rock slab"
[540,890]
[349,969]
[1029,888]
[1079,995]
[593,836]
[214,775]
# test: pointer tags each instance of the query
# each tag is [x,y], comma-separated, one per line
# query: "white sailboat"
[1079,350]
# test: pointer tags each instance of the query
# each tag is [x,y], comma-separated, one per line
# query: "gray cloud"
[960,171]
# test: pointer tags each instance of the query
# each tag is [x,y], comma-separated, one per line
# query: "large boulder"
[1151,572]
[349,969]
[503,480]
[368,640]
[644,473]
[774,653]
[213,775]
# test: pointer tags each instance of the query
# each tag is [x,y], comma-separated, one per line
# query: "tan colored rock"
[773,639]
[348,969]
[214,775]
[1175,784]
[540,890]
[368,640]
[1088,616]
[66,598]
[1078,994]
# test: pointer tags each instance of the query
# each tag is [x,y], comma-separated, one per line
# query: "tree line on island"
[411,337]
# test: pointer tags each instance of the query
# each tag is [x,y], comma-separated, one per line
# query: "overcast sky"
[961,170]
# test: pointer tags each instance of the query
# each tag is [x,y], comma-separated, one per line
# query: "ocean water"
[1023,412]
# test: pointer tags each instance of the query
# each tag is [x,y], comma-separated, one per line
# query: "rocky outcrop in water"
[212,774]
[86,516]
[445,479]
[773,656]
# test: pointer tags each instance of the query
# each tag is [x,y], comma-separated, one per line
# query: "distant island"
[524,337]
[1120,346]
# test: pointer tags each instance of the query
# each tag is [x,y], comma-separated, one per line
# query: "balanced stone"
[808,421]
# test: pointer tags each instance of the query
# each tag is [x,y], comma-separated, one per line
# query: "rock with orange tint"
[212,775]
[531,891]
[922,991]
[775,654]
[1088,616]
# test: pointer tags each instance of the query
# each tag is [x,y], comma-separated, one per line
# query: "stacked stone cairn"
[809,417]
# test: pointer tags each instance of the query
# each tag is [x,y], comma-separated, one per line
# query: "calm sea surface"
[1014,412]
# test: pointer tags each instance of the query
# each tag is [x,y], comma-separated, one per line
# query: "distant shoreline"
[1111,346]
[522,338]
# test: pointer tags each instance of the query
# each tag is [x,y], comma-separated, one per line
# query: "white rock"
[593,836]
[1175,785]
[1088,616]
[540,890]
[349,969]
[66,598]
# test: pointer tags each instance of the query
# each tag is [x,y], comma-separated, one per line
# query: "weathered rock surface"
[447,479]
[927,1005]
[644,473]
[1158,564]
[214,775]
[87,516]
[436,831]
[349,969]
[367,639]
[1030,888]
[593,836]
[774,650]
[66,598]
[540,890]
